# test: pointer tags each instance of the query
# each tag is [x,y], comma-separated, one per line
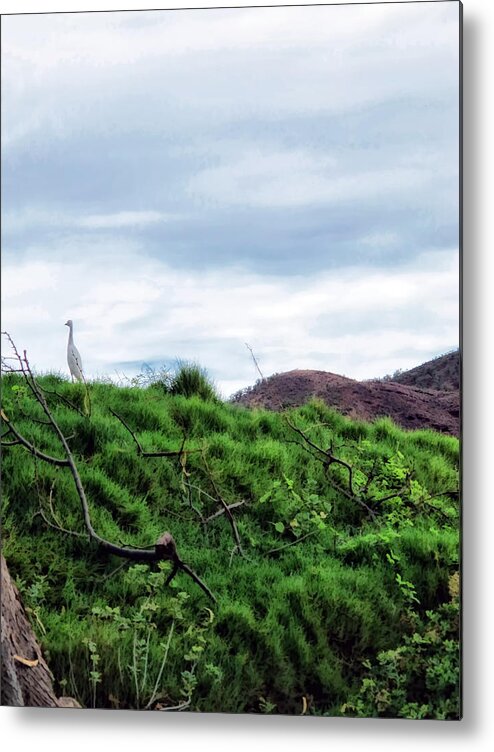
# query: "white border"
[122,731]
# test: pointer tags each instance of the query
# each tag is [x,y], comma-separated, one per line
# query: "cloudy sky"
[181,183]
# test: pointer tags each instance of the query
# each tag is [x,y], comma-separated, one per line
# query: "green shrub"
[190,379]
[420,677]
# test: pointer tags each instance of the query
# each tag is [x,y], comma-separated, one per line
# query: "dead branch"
[142,452]
[63,399]
[222,510]
[165,548]
[292,543]
[226,508]
[255,360]
[27,444]
[327,457]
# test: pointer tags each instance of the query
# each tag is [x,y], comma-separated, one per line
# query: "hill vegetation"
[441,373]
[409,405]
[330,547]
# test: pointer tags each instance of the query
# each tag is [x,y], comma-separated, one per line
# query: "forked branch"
[142,452]
[165,548]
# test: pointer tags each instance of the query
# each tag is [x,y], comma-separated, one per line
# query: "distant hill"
[442,373]
[411,405]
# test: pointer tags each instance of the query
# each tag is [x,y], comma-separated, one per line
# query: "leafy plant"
[420,677]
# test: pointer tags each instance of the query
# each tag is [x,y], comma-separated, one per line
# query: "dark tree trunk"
[26,678]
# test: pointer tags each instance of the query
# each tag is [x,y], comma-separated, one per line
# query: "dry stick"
[61,397]
[182,706]
[352,497]
[396,493]
[56,525]
[188,489]
[255,360]
[225,506]
[10,443]
[177,515]
[292,543]
[114,571]
[181,453]
[22,370]
[330,459]
[222,511]
[451,494]
[30,447]
[371,476]
[163,662]
[192,506]
[141,451]
[164,549]
[201,491]
[327,453]
[440,512]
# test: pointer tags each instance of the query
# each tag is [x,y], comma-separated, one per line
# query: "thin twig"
[142,452]
[330,458]
[181,706]
[255,360]
[163,662]
[30,447]
[292,543]
[225,506]
[56,525]
[114,571]
[222,510]
[60,529]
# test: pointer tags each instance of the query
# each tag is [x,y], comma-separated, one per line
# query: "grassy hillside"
[342,601]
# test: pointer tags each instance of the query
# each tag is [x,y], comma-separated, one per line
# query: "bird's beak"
[66,323]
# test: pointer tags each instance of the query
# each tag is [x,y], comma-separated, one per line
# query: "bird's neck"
[71,338]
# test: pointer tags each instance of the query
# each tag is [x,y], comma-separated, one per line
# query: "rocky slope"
[410,405]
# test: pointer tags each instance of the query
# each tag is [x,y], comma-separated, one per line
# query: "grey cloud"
[354,125]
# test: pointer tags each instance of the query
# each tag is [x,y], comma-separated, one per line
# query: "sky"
[182,183]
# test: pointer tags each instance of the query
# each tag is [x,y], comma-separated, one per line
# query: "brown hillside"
[442,373]
[409,406]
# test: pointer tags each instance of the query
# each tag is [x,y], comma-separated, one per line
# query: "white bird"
[73,356]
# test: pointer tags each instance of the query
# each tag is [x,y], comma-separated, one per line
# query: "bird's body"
[74,359]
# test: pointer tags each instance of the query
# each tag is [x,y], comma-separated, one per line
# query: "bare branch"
[255,360]
[165,548]
[63,399]
[142,453]
[30,447]
[330,458]
[225,506]
[292,543]
[222,510]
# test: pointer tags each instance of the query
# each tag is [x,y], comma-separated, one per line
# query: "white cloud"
[155,71]
[132,89]
[139,309]
[122,219]
[380,239]
[119,38]
[20,221]
[264,177]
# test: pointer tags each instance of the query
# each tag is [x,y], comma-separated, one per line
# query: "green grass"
[307,624]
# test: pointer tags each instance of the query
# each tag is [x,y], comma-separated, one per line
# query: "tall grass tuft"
[190,379]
